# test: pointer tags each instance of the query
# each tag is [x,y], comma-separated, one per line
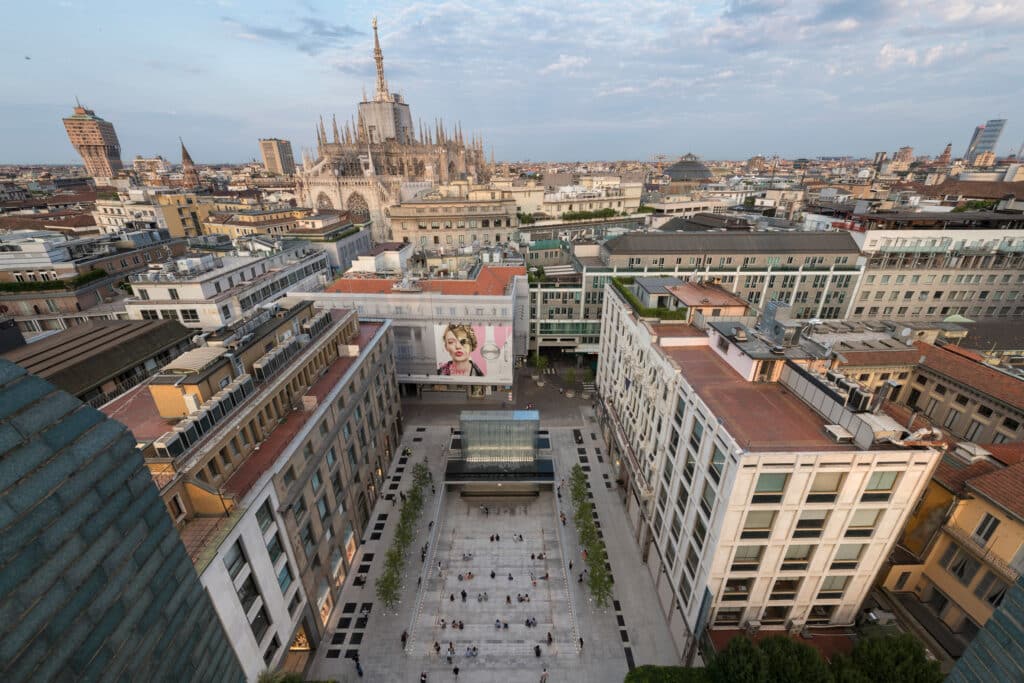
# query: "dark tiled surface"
[338,639]
[350,654]
[333,654]
[624,636]
[344,622]
[629,659]
[357,638]
[368,557]
[421,429]
[375,536]
[363,568]
[349,608]
[417,439]
[620,619]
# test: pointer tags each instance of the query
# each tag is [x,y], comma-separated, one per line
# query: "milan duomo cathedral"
[363,164]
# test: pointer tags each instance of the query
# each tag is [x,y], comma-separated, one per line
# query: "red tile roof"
[956,365]
[1006,453]
[491,281]
[954,474]
[1003,487]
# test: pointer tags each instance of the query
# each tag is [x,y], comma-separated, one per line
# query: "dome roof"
[688,168]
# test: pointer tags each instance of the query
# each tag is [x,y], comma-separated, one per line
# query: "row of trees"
[600,581]
[389,584]
[777,659]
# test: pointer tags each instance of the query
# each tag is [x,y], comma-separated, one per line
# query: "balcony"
[973,546]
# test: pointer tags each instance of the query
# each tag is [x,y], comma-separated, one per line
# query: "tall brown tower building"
[95,141]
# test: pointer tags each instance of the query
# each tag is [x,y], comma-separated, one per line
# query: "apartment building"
[816,273]
[269,446]
[184,213]
[973,401]
[761,497]
[929,266]
[620,198]
[206,291]
[963,549]
[337,235]
[128,213]
[271,222]
[96,583]
[432,221]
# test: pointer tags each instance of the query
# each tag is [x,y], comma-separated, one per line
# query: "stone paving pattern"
[630,632]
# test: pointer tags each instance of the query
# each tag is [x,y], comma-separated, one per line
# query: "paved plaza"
[457,533]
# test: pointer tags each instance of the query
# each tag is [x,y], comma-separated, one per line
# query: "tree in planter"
[541,363]
[588,375]
[570,377]
[649,673]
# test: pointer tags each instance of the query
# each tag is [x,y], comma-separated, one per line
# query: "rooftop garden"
[622,285]
[49,285]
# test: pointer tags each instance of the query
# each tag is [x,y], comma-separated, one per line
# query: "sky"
[539,80]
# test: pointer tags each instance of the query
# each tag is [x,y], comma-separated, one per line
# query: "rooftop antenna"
[77,103]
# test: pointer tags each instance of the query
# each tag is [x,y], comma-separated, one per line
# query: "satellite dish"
[905,332]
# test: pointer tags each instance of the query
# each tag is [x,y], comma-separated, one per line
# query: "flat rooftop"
[490,281]
[760,416]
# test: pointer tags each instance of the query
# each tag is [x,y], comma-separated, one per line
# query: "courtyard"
[457,535]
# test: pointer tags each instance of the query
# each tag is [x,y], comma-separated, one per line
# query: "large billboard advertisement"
[455,353]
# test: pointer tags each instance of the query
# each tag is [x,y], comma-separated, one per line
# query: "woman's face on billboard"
[458,345]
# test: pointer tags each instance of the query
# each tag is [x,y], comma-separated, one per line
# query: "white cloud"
[890,56]
[566,64]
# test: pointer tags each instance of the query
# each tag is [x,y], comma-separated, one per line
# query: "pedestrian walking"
[570,565]
[581,645]
[423,677]
[456,672]
[544,676]
[405,638]
[359,669]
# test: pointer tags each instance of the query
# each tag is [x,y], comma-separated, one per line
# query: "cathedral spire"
[334,126]
[323,131]
[378,57]
[189,176]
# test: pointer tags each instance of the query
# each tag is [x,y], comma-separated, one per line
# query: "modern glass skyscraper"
[985,138]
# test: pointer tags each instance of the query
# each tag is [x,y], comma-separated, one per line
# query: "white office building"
[763,495]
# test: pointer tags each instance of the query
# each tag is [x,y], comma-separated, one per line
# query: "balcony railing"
[971,544]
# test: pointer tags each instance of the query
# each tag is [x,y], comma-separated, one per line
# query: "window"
[960,564]
[973,430]
[692,561]
[331,457]
[717,463]
[747,558]
[235,559]
[322,508]
[285,578]
[880,486]
[289,476]
[825,487]
[785,589]
[810,524]
[189,315]
[265,516]
[797,557]
[728,616]
[776,614]
[260,624]
[173,294]
[951,418]
[770,487]
[274,548]
[737,589]
[299,508]
[295,603]
[308,539]
[707,499]
[247,593]
[758,524]
[316,481]
[832,587]
[862,524]
[268,656]
[985,529]
[847,556]
[149,314]
[991,589]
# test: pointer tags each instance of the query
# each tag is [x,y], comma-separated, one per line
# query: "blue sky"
[540,80]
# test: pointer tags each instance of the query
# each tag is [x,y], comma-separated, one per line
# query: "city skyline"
[578,84]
